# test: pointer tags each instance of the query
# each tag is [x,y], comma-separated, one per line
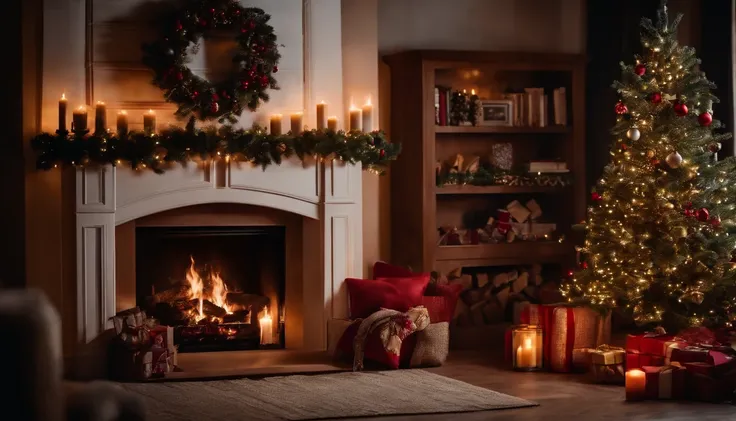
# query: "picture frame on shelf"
[496,112]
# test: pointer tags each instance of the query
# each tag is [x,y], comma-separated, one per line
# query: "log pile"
[488,298]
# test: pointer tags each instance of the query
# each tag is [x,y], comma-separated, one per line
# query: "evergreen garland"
[256,59]
[157,151]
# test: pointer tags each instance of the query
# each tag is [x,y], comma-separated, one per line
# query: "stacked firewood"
[489,298]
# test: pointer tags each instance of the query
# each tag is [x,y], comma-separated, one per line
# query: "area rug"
[339,395]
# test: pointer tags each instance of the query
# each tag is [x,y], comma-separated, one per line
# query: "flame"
[217,294]
[368,102]
[63,97]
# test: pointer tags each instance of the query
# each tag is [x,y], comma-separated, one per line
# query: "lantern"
[526,347]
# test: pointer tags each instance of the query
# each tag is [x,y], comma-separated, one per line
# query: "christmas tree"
[660,228]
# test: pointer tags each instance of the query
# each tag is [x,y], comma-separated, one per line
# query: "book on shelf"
[548,167]
[442,96]
[559,101]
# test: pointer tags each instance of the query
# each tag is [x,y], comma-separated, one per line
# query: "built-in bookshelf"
[544,141]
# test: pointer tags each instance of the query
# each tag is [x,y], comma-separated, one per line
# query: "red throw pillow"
[386,270]
[401,294]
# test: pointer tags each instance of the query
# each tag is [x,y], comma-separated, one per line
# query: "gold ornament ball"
[679,232]
[674,160]
[633,133]
[650,154]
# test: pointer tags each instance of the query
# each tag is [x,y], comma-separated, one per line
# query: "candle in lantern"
[62,113]
[122,123]
[149,122]
[332,123]
[321,115]
[296,123]
[276,124]
[100,117]
[636,383]
[266,324]
[79,119]
[355,119]
[368,116]
[526,354]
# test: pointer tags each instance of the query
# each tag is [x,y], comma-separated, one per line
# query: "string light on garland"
[256,58]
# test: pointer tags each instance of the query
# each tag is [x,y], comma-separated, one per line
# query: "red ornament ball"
[714,147]
[656,98]
[596,196]
[214,107]
[215,97]
[640,69]
[179,26]
[265,80]
[180,76]
[705,119]
[244,84]
[584,265]
[382,153]
[680,109]
[621,108]
[715,221]
[703,214]
[275,69]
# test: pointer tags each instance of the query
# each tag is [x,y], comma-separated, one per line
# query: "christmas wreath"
[256,58]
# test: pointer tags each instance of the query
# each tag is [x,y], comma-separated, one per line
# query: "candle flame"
[82,108]
[322,102]
[63,97]
[276,115]
[100,103]
[368,101]
[151,112]
[465,91]
[123,112]
[472,92]
[334,117]
[353,107]
[298,113]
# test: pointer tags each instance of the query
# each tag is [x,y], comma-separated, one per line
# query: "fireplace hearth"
[222,288]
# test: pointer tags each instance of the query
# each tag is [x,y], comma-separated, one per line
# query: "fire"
[217,294]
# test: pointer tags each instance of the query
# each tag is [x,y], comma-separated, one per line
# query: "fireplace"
[222,287]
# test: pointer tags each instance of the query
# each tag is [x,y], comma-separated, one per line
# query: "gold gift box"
[607,355]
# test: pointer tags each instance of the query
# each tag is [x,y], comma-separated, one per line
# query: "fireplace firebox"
[222,288]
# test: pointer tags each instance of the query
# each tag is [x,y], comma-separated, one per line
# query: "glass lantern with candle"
[526,347]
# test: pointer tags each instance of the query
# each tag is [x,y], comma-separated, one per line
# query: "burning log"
[209,308]
[239,316]
[170,295]
[254,302]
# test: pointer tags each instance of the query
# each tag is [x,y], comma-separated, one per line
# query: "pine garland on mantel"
[156,152]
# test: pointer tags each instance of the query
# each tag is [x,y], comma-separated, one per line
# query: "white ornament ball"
[633,133]
[674,160]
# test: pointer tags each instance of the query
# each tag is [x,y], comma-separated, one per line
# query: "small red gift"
[710,383]
[667,382]
[651,349]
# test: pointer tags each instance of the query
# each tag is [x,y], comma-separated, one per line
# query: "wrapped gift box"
[710,382]
[607,364]
[636,360]
[130,364]
[651,349]
[667,382]
[162,336]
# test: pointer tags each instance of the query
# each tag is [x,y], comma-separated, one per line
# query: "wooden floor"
[561,397]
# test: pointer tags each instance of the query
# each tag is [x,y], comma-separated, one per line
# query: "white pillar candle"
[276,124]
[368,116]
[149,122]
[355,119]
[296,123]
[62,113]
[636,384]
[321,116]
[266,324]
[332,123]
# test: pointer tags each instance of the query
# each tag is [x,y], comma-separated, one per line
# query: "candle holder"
[526,347]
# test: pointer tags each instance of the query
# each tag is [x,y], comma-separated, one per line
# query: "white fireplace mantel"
[326,194]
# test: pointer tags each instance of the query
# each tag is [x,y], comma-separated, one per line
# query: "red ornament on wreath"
[382,153]
[703,215]
[621,108]
[190,26]
[655,98]
[596,196]
[705,119]
[680,109]
[640,69]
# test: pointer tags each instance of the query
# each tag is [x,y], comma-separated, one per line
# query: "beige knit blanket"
[393,327]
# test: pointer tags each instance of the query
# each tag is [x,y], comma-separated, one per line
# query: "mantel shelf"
[500,129]
[468,189]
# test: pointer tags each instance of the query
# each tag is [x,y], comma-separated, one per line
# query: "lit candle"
[276,124]
[296,123]
[368,116]
[100,117]
[122,123]
[636,384]
[266,328]
[531,350]
[321,115]
[62,113]
[472,92]
[79,119]
[355,119]
[149,122]
[332,123]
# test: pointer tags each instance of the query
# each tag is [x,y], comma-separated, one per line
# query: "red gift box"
[636,360]
[666,382]
[709,382]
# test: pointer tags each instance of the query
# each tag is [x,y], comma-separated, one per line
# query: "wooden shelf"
[460,189]
[500,129]
[517,253]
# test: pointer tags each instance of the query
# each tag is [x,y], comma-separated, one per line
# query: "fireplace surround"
[318,203]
